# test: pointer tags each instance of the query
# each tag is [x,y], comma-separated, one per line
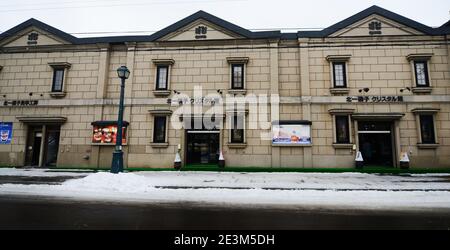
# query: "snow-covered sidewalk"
[346,190]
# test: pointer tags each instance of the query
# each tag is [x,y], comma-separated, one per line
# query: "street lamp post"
[117,161]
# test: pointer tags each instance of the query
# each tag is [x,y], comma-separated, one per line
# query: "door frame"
[186,138]
[383,117]
[391,132]
[43,128]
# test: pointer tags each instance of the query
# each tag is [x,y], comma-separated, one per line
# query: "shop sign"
[211,101]
[6,132]
[291,134]
[107,134]
[375,99]
[21,103]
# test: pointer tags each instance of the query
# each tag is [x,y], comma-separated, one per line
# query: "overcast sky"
[74,16]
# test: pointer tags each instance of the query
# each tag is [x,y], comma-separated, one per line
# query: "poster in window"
[5,132]
[292,134]
[107,134]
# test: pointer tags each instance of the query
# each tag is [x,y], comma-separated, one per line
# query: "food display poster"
[5,132]
[293,134]
[107,134]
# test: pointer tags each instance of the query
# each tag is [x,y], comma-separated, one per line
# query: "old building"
[377,82]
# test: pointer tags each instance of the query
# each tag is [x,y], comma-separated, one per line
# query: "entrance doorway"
[42,146]
[203,147]
[376,142]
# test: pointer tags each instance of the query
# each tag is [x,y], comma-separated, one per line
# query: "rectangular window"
[342,129]
[237,131]
[159,130]
[421,72]
[58,79]
[237,75]
[162,77]
[427,129]
[339,75]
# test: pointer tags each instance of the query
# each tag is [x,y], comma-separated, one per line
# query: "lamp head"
[123,72]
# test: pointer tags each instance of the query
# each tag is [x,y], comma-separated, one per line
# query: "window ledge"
[343,145]
[161,92]
[237,145]
[159,145]
[58,94]
[339,91]
[427,146]
[422,90]
[237,91]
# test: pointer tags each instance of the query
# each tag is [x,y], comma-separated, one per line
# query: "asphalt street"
[25,212]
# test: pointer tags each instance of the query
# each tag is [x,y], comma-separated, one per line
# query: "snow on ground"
[217,189]
[37,172]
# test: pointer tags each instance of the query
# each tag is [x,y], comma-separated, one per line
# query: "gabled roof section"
[39,25]
[202,15]
[374,10]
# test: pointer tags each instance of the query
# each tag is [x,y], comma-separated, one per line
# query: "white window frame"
[426,111]
[413,58]
[233,61]
[58,66]
[169,64]
[339,59]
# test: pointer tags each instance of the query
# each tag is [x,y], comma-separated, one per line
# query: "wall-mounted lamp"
[403,90]
[176,92]
[220,91]
[364,89]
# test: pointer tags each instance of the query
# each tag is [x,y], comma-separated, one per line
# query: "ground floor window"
[427,129]
[342,129]
[159,129]
[237,131]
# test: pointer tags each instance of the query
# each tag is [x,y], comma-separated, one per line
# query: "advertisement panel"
[107,134]
[6,132]
[291,134]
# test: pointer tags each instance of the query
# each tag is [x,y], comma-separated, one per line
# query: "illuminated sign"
[6,132]
[291,133]
[104,133]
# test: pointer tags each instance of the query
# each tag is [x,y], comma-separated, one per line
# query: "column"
[306,95]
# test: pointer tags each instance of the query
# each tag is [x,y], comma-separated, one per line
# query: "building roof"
[245,33]
[374,10]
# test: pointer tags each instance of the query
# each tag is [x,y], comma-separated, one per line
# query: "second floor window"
[159,129]
[427,129]
[237,74]
[421,73]
[162,76]
[339,75]
[58,80]
[342,129]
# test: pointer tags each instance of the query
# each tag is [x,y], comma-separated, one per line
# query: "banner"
[6,132]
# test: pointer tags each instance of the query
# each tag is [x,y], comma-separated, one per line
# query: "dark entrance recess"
[376,143]
[203,147]
[203,142]
[50,146]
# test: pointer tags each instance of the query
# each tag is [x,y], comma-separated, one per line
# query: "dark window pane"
[237,76]
[342,129]
[340,80]
[427,129]
[237,132]
[58,78]
[421,70]
[161,78]
[159,134]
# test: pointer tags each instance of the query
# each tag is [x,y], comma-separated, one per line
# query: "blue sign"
[5,132]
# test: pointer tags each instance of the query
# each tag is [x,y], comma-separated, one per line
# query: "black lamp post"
[117,161]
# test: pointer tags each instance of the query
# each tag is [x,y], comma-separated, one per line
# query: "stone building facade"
[376,83]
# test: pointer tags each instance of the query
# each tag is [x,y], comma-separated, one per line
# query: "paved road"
[20,212]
